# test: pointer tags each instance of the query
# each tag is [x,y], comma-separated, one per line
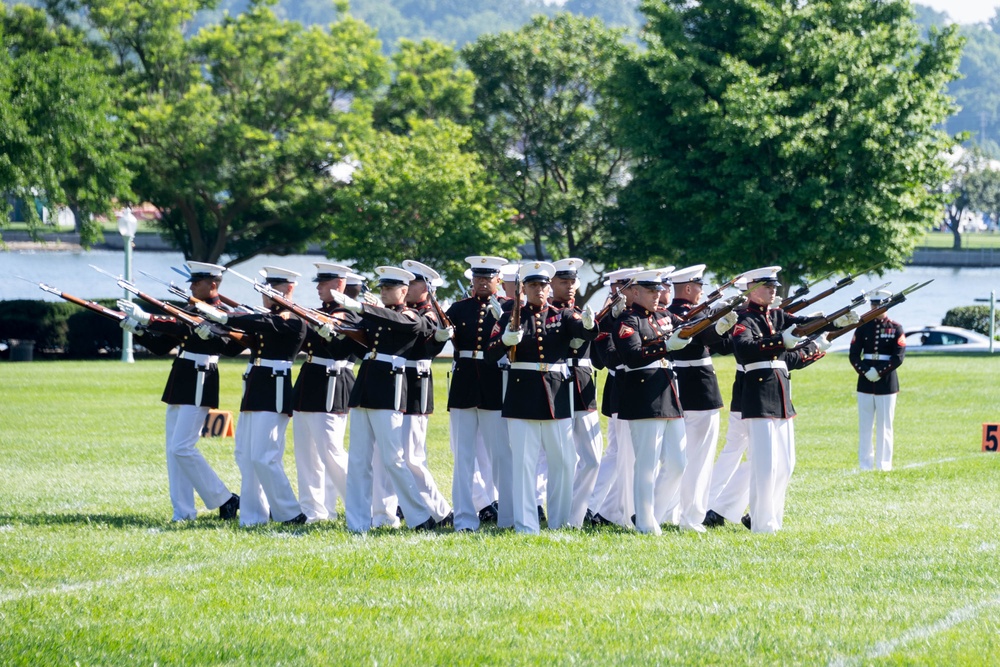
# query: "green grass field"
[970,240]
[898,568]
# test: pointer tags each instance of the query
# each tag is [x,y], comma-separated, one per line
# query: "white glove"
[203,331]
[818,313]
[445,334]
[370,299]
[211,313]
[847,319]
[872,375]
[325,332]
[789,339]
[576,343]
[726,322]
[588,317]
[134,311]
[822,343]
[349,303]
[511,338]
[131,325]
[617,309]
[495,307]
[675,342]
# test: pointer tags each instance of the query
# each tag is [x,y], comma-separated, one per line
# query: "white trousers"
[659,465]
[589,443]
[260,446]
[619,505]
[542,476]
[688,509]
[187,469]
[320,461]
[729,494]
[378,432]
[483,491]
[607,469]
[772,460]
[875,411]
[466,424]
[415,456]
[527,438]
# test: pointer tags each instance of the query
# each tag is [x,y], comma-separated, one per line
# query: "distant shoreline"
[21,241]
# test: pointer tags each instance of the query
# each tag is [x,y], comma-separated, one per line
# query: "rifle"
[179,292]
[438,310]
[809,328]
[309,315]
[613,301]
[789,305]
[115,315]
[875,313]
[713,297]
[694,327]
[187,318]
[515,314]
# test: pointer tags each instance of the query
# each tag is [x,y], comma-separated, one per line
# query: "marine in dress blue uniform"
[320,402]
[192,389]
[538,401]
[877,350]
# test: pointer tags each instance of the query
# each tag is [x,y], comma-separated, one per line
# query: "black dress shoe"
[228,509]
[746,520]
[588,518]
[399,513]
[300,519]
[465,530]
[632,519]
[448,520]
[541,514]
[599,520]
[713,519]
[426,525]
[488,514]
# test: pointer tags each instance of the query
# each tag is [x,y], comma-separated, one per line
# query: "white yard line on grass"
[887,648]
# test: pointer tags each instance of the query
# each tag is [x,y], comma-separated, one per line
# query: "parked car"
[946,339]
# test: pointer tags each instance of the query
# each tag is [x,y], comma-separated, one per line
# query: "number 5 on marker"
[991,437]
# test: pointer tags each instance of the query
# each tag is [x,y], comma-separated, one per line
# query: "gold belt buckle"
[256,362]
[372,354]
[543,368]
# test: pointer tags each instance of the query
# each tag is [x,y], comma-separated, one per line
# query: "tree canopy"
[775,132]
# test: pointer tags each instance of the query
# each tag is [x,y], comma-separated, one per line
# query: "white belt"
[579,363]
[759,365]
[611,372]
[331,364]
[422,365]
[273,364]
[469,354]
[199,359]
[687,363]
[740,368]
[562,369]
[659,363]
[876,357]
[397,362]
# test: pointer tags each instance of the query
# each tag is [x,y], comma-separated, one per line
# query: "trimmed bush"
[975,318]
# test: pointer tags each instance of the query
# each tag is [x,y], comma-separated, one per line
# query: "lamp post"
[126,227]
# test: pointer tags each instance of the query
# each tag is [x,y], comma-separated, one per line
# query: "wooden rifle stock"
[515,315]
[711,298]
[695,327]
[314,317]
[795,306]
[439,311]
[187,318]
[115,315]
[612,302]
[810,328]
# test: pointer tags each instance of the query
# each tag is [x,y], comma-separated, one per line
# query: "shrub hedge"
[975,318]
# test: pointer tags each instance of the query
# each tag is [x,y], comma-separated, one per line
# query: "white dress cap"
[690,274]
[534,272]
[880,296]
[484,265]
[275,275]
[201,270]
[765,274]
[393,275]
[423,272]
[328,271]
[652,278]
[508,272]
[621,275]
[666,271]
[355,279]
[568,268]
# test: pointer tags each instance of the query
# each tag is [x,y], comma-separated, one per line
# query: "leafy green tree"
[58,136]
[978,91]
[983,190]
[427,84]
[421,196]
[543,127]
[240,129]
[776,132]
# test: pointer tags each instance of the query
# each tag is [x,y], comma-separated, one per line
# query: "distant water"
[69,272]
